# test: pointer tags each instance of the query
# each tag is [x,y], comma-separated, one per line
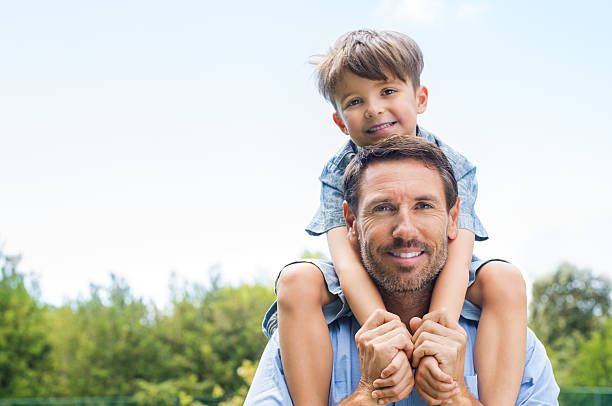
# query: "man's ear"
[422,94]
[340,123]
[453,216]
[351,223]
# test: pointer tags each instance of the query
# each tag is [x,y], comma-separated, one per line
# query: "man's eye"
[424,206]
[353,102]
[387,92]
[383,208]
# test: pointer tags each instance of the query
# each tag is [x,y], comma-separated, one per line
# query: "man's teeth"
[380,127]
[408,254]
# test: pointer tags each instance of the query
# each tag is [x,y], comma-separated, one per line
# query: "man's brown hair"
[396,148]
[369,54]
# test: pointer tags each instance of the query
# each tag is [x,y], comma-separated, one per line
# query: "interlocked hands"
[388,352]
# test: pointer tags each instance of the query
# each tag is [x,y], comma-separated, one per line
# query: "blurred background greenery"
[206,342]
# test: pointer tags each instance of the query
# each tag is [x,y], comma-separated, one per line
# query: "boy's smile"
[370,110]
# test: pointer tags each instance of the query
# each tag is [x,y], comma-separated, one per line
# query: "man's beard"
[390,280]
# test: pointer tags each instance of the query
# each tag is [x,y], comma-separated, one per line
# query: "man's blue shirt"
[269,387]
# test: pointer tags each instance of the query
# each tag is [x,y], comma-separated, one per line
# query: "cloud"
[467,11]
[417,11]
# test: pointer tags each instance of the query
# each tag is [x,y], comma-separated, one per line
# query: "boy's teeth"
[380,127]
[408,254]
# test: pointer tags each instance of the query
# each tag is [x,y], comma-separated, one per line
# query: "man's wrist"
[361,397]
[463,398]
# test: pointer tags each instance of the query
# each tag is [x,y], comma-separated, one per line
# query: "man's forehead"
[405,177]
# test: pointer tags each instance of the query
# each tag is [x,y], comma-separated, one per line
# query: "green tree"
[24,347]
[567,313]
[104,345]
[569,303]
[592,365]
[212,331]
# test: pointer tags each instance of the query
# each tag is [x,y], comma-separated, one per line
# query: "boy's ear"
[351,224]
[453,214]
[422,94]
[340,123]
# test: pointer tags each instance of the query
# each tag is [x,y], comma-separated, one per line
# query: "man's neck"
[409,304]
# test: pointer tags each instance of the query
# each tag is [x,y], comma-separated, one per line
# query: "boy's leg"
[305,345]
[499,353]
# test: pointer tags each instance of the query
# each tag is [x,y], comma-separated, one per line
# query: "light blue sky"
[143,137]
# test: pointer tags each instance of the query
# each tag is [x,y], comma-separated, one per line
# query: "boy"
[373,81]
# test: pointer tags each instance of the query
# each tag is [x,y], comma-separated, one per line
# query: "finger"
[427,384]
[399,338]
[439,316]
[437,379]
[440,379]
[433,327]
[415,323]
[399,391]
[369,335]
[427,336]
[427,397]
[378,318]
[395,364]
[427,348]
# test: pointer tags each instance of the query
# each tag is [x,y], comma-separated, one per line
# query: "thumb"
[415,323]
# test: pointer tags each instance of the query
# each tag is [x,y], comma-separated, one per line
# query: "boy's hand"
[432,384]
[396,380]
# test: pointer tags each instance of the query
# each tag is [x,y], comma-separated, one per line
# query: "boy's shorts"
[340,308]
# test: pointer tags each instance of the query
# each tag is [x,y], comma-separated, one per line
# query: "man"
[401,210]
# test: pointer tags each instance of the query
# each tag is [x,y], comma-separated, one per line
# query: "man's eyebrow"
[374,202]
[427,198]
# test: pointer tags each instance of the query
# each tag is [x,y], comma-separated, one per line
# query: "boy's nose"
[373,110]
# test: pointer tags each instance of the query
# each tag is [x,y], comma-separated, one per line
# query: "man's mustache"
[399,243]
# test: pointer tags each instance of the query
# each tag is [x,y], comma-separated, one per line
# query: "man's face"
[372,110]
[402,224]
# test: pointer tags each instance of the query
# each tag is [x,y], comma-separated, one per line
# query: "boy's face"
[371,110]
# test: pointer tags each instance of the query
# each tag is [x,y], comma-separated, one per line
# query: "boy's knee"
[299,284]
[502,280]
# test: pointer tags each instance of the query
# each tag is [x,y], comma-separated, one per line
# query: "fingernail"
[381,402]
[374,394]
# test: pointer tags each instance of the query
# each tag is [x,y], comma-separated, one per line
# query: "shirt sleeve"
[269,386]
[465,174]
[538,386]
[329,214]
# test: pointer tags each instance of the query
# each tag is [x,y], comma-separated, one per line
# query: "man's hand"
[379,342]
[444,341]
[395,381]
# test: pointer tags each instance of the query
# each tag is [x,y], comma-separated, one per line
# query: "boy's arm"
[360,292]
[452,282]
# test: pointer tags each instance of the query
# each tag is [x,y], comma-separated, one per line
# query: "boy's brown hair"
[368,54]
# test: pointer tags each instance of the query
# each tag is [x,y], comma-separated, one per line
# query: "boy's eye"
[387,92]
[352,102]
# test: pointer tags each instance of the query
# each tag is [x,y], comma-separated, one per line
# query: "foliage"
[103,345]
[24,345]
[569,303]
[570,314]
[203,347]
[592,365]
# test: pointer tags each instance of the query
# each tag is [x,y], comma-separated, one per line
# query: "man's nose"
[404,226]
